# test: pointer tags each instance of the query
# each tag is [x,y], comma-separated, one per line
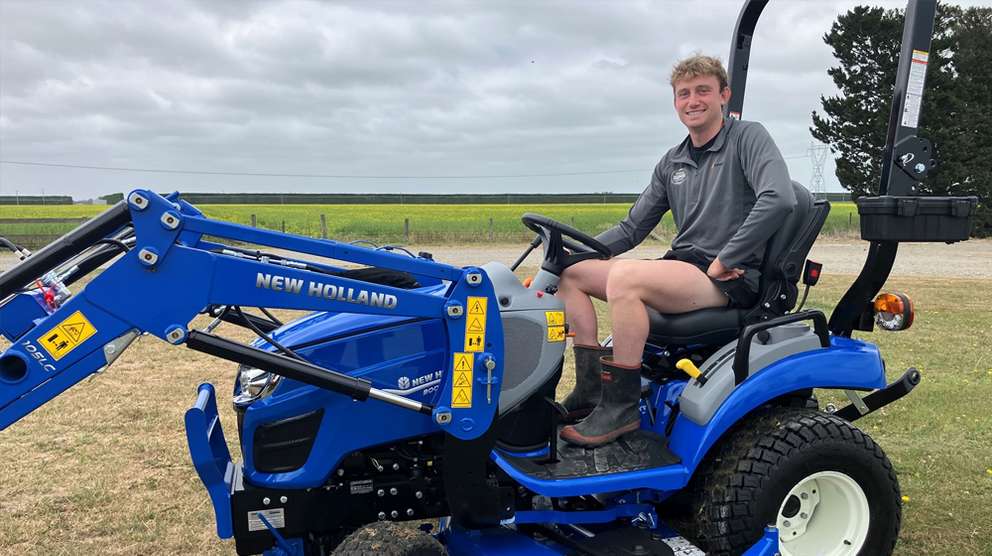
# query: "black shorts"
[742,291]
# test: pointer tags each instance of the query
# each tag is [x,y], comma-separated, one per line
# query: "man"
[728,189]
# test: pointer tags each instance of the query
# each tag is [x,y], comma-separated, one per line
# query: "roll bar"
[906,161]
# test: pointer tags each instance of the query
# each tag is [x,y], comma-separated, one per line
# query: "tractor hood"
[323,326]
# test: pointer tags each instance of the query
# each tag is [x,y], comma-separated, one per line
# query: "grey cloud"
[377,88]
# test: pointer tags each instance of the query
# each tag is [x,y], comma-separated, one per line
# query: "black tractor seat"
[777,291]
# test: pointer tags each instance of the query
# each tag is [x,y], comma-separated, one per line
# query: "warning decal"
[914,88]
[556,325]
[66,335]
[475,324]
[461,382]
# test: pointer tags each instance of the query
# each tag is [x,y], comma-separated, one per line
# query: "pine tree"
[957,101]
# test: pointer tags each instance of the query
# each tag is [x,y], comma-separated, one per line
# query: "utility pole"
[817,156]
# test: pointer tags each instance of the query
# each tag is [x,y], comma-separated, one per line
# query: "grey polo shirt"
[727,206]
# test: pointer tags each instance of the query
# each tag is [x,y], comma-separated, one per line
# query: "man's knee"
[623,282]
[585,276]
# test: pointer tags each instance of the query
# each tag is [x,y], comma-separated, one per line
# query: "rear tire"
[850,502]
[386,538]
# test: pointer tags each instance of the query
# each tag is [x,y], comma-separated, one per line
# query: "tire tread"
[725,524]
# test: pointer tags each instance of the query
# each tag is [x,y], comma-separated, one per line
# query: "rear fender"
[847,364]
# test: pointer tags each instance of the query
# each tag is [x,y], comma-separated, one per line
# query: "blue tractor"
[416,391]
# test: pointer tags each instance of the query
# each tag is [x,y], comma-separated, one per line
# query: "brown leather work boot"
[588,385]
[617,412]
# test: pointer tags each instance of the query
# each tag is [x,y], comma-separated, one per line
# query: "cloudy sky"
[379,97]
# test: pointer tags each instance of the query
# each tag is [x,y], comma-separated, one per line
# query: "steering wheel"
[556,237]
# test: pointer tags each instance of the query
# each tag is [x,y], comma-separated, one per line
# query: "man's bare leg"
[632,285]
[578,283]
[670,287]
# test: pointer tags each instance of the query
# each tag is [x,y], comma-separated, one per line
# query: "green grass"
[427,223]
[939,437]
[104,469]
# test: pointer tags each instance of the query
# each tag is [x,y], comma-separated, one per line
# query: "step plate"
[634,451]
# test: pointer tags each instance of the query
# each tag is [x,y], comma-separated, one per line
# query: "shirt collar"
[682,151]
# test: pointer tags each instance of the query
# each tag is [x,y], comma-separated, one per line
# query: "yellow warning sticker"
[555,318]
[477,305]
[475,324]
[461,385]
[66,335]
[556,333]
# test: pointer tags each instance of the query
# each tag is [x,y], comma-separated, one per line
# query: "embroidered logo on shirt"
[679,176]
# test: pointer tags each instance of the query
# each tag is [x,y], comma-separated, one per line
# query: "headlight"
[255,384]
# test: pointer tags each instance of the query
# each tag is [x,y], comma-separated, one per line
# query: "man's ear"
[725,95]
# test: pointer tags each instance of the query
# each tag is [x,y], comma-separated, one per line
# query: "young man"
[728,189]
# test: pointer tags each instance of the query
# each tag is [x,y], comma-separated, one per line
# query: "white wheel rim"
[826,514]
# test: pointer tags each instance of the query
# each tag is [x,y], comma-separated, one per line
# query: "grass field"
[427,223]
[104,469]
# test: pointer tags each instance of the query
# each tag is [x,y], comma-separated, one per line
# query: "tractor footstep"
[634,451]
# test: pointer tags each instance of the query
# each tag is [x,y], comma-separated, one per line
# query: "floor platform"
[635,451]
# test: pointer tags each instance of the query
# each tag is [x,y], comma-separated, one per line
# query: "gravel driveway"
[969,259]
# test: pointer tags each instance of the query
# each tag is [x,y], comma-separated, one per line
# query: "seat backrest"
[781,268]
[786,255]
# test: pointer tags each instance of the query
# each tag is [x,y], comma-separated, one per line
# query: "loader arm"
[172,274]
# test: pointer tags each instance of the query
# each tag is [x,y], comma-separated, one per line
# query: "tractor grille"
[284,445]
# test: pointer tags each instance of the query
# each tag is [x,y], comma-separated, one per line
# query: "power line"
[333,176]
[341,176]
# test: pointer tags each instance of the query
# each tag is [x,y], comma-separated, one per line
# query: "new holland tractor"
[416,391]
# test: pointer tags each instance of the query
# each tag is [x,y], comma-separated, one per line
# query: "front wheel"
[826,486]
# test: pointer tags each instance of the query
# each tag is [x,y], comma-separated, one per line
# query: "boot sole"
[572,436]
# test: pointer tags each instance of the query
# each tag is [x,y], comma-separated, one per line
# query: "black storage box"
[897,218]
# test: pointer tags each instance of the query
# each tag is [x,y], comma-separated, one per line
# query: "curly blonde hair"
[697,65]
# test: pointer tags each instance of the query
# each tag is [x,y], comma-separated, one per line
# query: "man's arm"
[768,175]
[642,217]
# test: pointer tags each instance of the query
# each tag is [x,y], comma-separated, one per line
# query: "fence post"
[490,228]
[283,226]
[406,230]
[323,226]
[850,220]
[254,222]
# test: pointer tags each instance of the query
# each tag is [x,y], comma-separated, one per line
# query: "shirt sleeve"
[642,217]
[768,176]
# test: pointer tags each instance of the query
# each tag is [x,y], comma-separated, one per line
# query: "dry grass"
[104,469]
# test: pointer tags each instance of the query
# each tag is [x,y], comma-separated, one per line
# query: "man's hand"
[719,272]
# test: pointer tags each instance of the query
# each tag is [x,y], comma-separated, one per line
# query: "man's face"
[699,102]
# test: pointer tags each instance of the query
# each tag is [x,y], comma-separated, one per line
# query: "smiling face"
[699,103]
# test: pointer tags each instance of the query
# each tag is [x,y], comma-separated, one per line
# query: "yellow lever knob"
[688,367]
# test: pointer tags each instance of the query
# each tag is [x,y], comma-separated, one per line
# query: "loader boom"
[172,274]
